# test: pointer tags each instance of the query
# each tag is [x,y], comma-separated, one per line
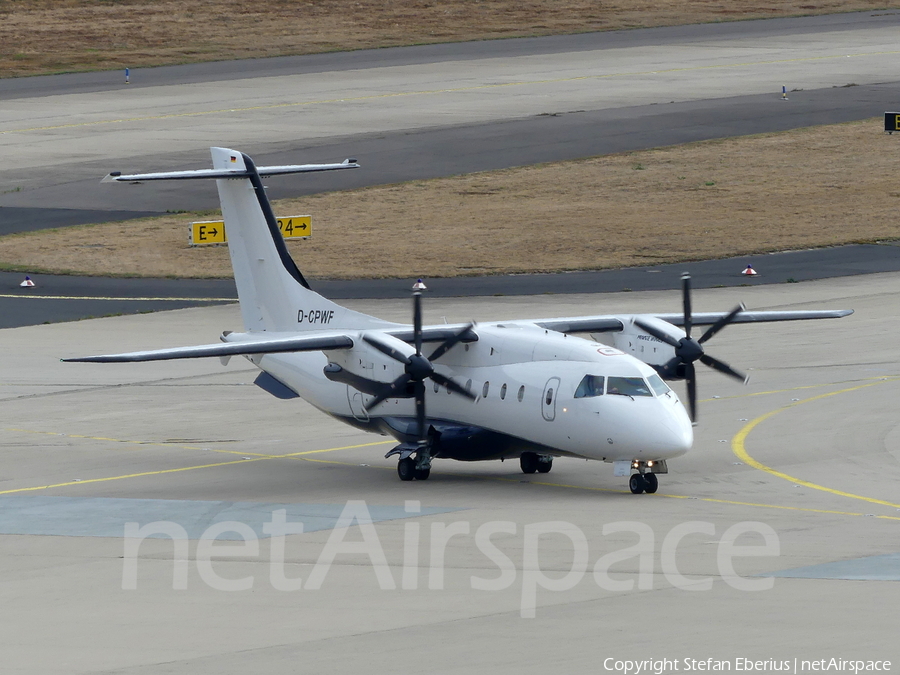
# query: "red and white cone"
[749,272]
[28,283]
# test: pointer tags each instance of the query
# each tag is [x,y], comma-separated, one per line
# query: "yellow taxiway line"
[738,446]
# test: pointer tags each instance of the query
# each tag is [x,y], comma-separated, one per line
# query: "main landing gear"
[411,467]
[531,462]
[407,470]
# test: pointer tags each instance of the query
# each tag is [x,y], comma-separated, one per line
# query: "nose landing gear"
[645,480]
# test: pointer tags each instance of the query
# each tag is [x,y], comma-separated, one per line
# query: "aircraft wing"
[433,333]
[306,343]
[709,318]
[608,323]
[582,324]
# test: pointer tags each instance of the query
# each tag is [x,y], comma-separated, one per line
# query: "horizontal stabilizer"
[238,172]
[310,343]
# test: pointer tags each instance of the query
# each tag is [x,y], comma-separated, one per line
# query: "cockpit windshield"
[590,385]
[628,386]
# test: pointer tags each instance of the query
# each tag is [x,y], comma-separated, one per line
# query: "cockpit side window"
[590,385]
[628,386]
[660,388]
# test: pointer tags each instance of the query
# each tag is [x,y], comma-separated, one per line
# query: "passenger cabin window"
[627,386]
[521,393]
[660,388]
[549,398]
[590,385]
[485,389]
[503,392]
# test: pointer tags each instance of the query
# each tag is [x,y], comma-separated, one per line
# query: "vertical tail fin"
[273,293]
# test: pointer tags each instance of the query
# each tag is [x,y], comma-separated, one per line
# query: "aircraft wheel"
[544,467]
[651,483]
[636,483]
[406,468]
[529,462]
[423,474]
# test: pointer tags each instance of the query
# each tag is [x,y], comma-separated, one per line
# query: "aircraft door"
[548,399]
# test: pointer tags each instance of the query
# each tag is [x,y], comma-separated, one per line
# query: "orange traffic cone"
[749,272]
[28,283]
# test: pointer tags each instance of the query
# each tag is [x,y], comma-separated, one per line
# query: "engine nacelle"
[641,345]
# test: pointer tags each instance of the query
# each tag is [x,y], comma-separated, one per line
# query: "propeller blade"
[453,386]
[390,391]
[723,368]
[450,343]
[721,323]
[671,365]
[417,321]
[655,332]
[420,411]
[690,374]
[387,349]
[686,299]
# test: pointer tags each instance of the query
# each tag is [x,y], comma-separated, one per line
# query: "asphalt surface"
[86,449]
[556,120]
[201,73]
[63,298]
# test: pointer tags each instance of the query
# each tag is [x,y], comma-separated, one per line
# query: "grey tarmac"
[87,448]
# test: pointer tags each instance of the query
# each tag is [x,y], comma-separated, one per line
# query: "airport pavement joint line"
[101,297]
[430,92]
[251,457]
[660,495]
[301,455]
[739,448]
[775,391]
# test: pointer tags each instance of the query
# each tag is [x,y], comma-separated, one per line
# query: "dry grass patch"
[813,187]
[45,36]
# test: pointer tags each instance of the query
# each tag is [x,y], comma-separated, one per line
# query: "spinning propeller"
[418,368]
[688,350]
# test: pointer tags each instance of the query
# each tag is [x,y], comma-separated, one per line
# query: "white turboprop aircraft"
[525,388]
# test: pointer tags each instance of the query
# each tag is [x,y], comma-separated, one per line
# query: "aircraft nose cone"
[676,433]
[679,435]
[657,431]
[668,433]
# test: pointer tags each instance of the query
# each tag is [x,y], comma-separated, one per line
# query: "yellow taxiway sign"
[213,231]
